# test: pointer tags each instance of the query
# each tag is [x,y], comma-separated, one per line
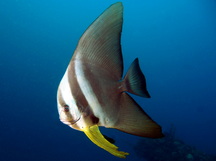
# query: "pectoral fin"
[94,134]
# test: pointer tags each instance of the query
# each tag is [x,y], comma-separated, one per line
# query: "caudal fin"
[134,81]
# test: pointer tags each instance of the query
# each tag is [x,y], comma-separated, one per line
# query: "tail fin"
[134,81]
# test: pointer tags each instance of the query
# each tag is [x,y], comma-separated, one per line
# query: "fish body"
[93,93]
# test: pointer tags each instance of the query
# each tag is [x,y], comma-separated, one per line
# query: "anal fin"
[133,120]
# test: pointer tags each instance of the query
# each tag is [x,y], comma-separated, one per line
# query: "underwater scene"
[72,87]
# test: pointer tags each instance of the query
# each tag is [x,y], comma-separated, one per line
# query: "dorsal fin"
[100,44]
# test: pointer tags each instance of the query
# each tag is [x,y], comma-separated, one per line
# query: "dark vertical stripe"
[81,102]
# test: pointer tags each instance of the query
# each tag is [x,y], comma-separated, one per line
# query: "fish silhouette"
[93,93]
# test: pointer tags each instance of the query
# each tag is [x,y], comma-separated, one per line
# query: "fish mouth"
[70,122]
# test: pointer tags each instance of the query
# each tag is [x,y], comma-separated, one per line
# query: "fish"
[93,92]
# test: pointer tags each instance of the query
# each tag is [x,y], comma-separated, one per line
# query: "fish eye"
[66,108]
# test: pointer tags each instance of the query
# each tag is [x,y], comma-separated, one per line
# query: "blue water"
[175,42]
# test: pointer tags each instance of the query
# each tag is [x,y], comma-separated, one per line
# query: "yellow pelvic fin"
[94,134]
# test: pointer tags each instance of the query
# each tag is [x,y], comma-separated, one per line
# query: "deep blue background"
[174,40]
